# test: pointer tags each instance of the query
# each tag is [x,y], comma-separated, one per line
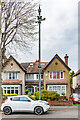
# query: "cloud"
[59,32]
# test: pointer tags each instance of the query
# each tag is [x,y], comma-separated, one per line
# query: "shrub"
[63,95]
[10,94]
[52,95]
[32,96]
[26,91]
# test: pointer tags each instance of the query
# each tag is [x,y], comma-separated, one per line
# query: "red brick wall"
[60,103]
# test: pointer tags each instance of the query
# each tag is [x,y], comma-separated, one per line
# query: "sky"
[59,32]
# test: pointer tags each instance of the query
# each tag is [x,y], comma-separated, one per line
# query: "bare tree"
[18,25]
[17,30]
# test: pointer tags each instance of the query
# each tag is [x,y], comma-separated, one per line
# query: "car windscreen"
[78,96]
[31,98]
[75,96]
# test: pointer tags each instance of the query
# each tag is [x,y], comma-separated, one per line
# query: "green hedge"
[52,95]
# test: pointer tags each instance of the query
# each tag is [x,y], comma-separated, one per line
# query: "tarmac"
[59,108]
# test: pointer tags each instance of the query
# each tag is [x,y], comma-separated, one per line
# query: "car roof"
[18,96]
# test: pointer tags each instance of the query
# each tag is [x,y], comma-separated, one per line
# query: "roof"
[32,67]
[57,82]
[56,56]
[11,57]
[77,73]
[11,82]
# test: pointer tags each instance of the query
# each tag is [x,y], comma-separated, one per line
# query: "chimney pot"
[37,60]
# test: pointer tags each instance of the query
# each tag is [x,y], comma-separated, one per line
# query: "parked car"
[75,97]
[24,103]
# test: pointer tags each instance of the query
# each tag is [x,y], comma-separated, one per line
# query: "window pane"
[13,75]
[12,91]
[16,91]
[32,76]
[6,75]
[16,87]
[41,76]
[37,77]
[61,74]
[54,75]
[16,99]
[4,91]
[8,87]
[12,88]
[50,87]
[8,91]
[9,75]
[23,99]
[58,75]
[50,75]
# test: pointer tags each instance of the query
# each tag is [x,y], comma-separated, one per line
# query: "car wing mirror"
[28,100]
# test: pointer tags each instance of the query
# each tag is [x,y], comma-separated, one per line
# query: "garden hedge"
[52,95]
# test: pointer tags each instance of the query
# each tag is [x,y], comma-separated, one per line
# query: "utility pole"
[39,22]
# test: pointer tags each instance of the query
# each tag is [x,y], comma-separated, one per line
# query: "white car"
[24,103]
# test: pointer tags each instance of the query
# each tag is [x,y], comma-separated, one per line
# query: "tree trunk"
[0,59]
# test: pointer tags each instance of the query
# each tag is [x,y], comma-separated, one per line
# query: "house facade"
[76,82]
[56,76]
[18,77]
[13,76]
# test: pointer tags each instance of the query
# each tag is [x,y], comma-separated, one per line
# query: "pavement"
[57,108]
[0,115]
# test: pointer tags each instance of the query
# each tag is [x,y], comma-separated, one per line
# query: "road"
[57,112]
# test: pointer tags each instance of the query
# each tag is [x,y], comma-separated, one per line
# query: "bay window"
[57,88]
[11,89]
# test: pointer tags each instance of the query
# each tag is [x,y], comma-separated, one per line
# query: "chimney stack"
[66,59]
[4,59]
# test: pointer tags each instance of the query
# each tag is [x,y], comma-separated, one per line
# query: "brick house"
[18,77]
[56,76]
[13,76]
[32,75]
[76,82]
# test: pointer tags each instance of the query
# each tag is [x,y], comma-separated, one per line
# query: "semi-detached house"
[18,77]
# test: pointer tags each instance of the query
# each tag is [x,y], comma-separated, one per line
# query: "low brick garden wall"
[60,103]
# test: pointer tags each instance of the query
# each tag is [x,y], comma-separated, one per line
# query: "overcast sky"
[59,32]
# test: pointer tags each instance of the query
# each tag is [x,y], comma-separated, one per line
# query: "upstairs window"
[37,76]
[56,75]
[12,76]
[30,76]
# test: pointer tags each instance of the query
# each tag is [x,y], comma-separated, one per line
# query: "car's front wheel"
[7,110]
[38,110]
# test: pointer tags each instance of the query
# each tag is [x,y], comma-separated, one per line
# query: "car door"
[25,104]
[15,103]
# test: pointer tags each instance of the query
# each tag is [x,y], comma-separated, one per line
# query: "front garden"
[50,96]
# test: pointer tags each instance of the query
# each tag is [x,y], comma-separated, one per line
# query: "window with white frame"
[37,76]
[11,90]
[56,75]
[12,76]
[57,88]
[30,76]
